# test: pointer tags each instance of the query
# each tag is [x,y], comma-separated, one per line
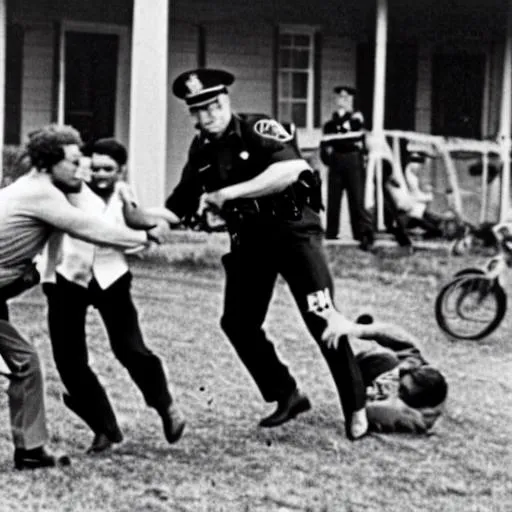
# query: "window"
[296,76]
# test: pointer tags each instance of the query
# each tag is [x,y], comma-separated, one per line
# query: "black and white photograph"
[255,256]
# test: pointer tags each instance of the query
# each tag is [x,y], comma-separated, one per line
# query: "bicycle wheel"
[468,271]
[470,307]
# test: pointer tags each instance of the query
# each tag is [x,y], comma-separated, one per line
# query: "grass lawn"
[225,462]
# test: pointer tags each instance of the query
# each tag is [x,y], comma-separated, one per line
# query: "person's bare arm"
[53,208]
[275,178]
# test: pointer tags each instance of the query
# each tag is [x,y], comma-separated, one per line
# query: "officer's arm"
[275,178]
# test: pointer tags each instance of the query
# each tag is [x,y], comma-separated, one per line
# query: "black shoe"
[100,443]
[114,434]
[39,457]
[287,410]
[112,430]
[366,243]
[173,423]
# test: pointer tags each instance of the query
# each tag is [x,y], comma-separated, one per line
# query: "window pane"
[300,59]
[284,82]
[299,114]
[285,58]
[300,85]
[285,40]
[284,112]
[301,40]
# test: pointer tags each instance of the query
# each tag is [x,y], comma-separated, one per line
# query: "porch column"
[505,118]
[148,100]
[379,96]
[3,35]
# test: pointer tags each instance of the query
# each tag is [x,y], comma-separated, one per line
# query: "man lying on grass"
[404,392]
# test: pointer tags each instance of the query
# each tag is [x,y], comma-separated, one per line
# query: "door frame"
[122,110]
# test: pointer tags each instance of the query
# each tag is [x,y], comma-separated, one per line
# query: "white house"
[106,67]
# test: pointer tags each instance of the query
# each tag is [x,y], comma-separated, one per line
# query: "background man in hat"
[344,158]
[88,274]
[248,169]
[31,209]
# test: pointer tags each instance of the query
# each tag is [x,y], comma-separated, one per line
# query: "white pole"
[379,91]
[148,100]
[3,36]
[505,115]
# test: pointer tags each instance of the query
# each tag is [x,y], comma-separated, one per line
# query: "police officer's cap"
[201,86]
[349,90]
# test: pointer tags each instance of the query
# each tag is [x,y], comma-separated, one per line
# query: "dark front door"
[401,80]
[90,83]
[457,95]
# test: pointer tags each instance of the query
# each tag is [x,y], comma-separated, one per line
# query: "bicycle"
[473,304]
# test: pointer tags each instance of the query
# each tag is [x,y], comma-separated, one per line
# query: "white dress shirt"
[80,261]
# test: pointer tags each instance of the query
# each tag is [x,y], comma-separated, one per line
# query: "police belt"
[287,205]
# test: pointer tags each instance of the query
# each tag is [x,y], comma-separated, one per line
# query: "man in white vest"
[98,276]
[31,209]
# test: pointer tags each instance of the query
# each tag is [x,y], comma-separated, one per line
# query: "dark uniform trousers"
[252,267]
[67,307]
[347,173]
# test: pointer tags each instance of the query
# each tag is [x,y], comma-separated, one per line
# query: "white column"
[505,118]
[3,36]
[379,92]
[148,100]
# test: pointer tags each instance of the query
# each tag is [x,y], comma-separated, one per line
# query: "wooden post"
[379,92]
[504,133]
[3,36]
[148,100]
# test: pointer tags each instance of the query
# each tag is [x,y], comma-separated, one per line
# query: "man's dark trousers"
[347,173]
[251,273]
[67,307]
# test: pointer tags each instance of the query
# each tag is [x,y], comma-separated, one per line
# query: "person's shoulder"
[36,185]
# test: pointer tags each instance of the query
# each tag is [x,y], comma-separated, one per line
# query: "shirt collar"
[233,128]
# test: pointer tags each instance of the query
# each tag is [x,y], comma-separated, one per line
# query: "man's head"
[206,94]
[108,158]
[344,97]
[423,386]
[55,149]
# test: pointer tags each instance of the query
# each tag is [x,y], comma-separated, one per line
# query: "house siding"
[37,81]
[239,36]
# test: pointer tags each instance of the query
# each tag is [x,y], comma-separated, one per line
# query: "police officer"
[247,168]
[344,158]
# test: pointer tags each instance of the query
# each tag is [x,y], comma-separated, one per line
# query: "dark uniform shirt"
[337,125]
[250,144]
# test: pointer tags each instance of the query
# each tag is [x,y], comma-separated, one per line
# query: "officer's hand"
[161,233]
[214,200]
[337,326]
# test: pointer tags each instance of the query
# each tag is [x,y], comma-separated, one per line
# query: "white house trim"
[3,35]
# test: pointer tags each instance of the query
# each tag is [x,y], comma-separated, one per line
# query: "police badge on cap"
[201,86]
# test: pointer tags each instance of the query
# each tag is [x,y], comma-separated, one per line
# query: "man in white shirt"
[99,276]
[31,209]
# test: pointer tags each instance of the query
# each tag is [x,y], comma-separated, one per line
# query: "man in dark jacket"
[248,169]
[341,150]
